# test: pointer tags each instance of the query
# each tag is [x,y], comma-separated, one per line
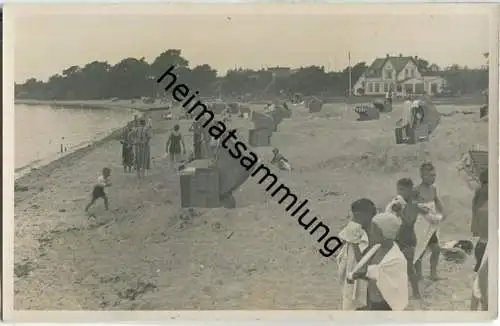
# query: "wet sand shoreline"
[47,164]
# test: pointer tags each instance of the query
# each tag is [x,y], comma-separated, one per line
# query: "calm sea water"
[39,130]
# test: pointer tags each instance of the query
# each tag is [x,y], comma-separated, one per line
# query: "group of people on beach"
[136,149]
[383,250]
[136,154]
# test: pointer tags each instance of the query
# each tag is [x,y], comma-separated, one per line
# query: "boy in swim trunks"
[427,193]
[405,207]
[98,191]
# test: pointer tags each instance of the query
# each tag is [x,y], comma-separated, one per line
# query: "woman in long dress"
[141,147]
[127,149]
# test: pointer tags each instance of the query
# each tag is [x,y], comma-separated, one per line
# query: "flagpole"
[350,74]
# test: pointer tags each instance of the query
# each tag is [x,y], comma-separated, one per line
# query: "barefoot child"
[384,266]
[280,161]
[355,237]
[98,192]
[427,225]
[405,207]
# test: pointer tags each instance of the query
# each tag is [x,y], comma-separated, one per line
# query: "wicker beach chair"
[367,112]
[472,164]
[314,105]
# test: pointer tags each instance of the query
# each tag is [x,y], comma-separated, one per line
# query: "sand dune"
[147,253]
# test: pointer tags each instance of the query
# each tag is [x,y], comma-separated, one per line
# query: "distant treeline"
[134,78]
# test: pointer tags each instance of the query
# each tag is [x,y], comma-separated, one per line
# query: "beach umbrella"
[231,173]
[432,117]
[263,120]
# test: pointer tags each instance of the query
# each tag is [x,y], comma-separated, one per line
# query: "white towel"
[396,200]
[391,278]
[425,226]
[353,295]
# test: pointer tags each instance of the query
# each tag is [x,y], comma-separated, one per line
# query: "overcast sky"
[49,42]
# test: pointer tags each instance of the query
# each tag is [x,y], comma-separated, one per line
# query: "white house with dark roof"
[402,75]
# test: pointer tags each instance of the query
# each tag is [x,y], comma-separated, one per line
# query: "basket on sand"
[314,105]
[455,255]
[457,250]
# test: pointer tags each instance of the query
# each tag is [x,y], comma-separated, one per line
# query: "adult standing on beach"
[149,126]
[175,145]
[197,130]
[141,145]
[388,96]
[149,122]
[127,149]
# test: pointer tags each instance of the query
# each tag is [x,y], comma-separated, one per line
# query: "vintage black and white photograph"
[254,157]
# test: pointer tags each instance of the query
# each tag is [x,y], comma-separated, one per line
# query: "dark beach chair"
[479,162]
[367,112]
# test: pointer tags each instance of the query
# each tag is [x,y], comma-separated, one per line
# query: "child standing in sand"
[405,207]
[427,225]
[355,237]
[98,191]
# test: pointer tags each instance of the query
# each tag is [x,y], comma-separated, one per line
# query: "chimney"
[400,55]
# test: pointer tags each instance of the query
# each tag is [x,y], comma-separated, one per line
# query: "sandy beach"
[147,253]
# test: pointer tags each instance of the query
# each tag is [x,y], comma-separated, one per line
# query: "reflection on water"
[40,130]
